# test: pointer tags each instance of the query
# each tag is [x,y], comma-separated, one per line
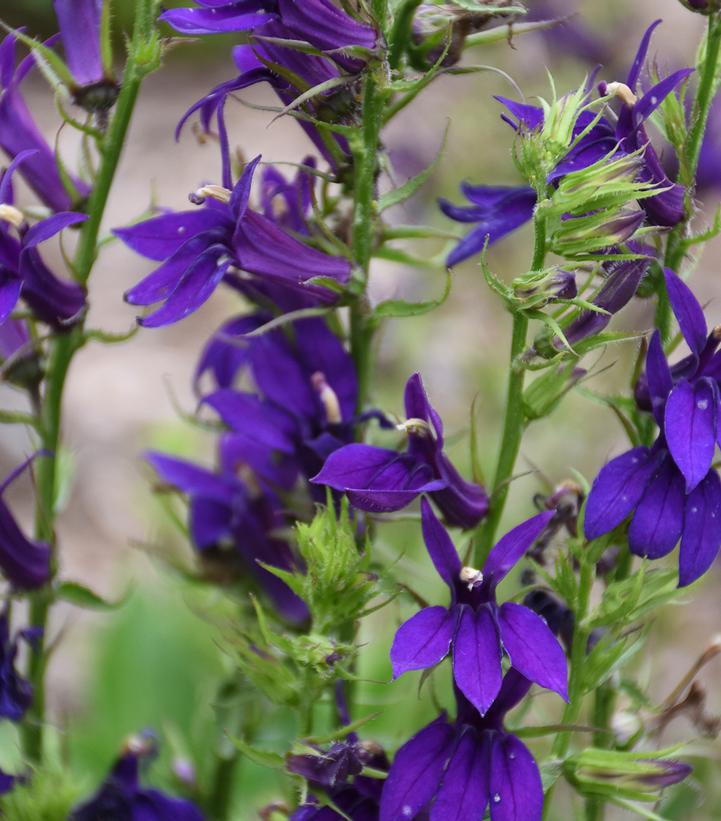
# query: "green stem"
[675,247]
[365,163]
[515,419]
[577,661]
[62,350]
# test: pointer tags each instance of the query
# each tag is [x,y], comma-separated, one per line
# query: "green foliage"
[48,796]
[337,584]
[634,775]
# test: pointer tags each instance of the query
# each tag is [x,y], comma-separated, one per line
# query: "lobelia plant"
[290,567]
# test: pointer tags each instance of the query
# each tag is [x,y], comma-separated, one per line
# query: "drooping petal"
[47,228]
[233,18]
[515,788]
[376,479]
[656,525]
[477,658]
[416,772]
[190,478]
[658,377]
[513,546]
[160,237]
[617,490]
[690,428]
[249,415]
[439,545]
[195,287]
[79,22]
[532,648]
[423,640]
[463,795]
[701,537]
[688,312]
[24,563]
[496,216]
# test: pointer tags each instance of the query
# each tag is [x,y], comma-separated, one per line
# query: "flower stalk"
[514,422]
[63,348]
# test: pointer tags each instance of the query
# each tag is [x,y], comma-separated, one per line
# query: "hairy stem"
[62,350]
[515,420]
[675,247]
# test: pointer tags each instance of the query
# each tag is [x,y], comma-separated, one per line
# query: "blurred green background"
[157,660]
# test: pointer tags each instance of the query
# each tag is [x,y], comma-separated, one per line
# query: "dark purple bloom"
[337,773]
[288,204]
[201,248]
[474,628]
[19,133]
[380,480]
[570,36]
[667,207]
[232,522]
[24,563]
[671,488]
[23,274]
[454,771]
[7,782]
[498,210]
[80,30]
[305,407]
[16,694]
[121,796]
[708,174]
[318,22]
[622,278]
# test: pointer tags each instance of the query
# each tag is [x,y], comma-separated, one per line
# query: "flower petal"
[477,658]
[463,795]
[688,312]
[617,490]
[533,649]
[690,428]
[416,772]
[701,537]
[513,546]
[376,479]
[423,640]
[439,545]
[515,788]
[656,525]
[658,377]
[160,237]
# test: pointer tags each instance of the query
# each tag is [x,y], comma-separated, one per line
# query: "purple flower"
[455,770]
[305,407]
[708,174]
[16,694]
[23,274]
[288,204]
[622,278]
[201,248]
[318,22]
[19,133]
[380,480]
[667,207]
[232,522]
[499,210]
[80,24]
[24,563]
[474,628]
[337,773]
[121,796]
[671,488]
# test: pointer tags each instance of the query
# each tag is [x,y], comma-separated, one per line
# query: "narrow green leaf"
[398,308]
[264,758]
[81,596]
[409,187]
